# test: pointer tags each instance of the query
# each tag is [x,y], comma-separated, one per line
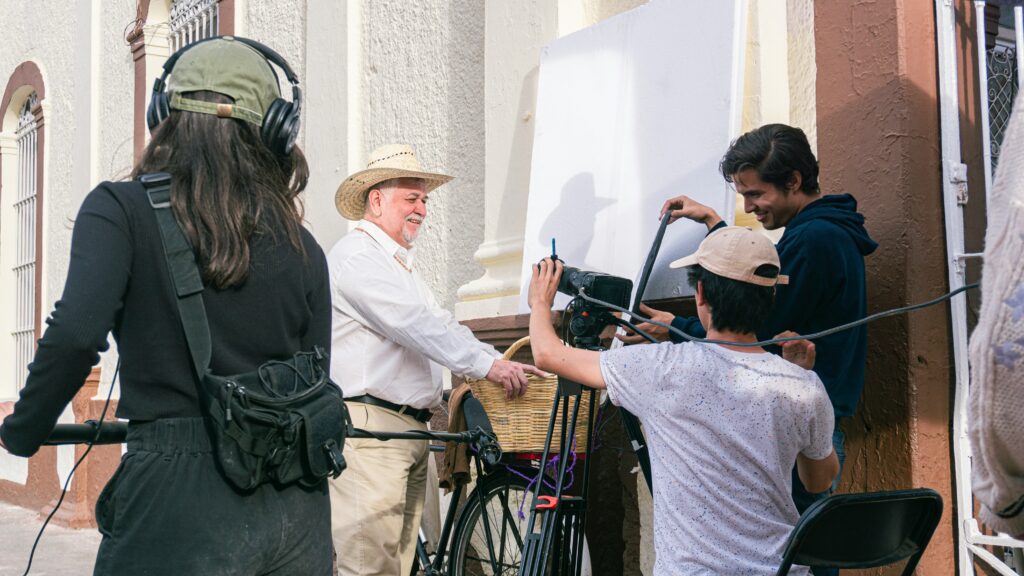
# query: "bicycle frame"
[116,432]
[555,530]
[433,568]
[453,518]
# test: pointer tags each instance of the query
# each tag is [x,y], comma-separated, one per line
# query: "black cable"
[652,255]
[71,475]
[631,326]
[813,336]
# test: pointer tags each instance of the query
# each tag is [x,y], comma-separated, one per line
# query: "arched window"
[24,264]
[22,194]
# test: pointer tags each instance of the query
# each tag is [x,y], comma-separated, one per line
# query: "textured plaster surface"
[326,126]
[514,36]
[75,70]
[115,85]
[802,67]
[423,83]
[49,42]
[314,50]
[878,139]
[280,24]
[597,10]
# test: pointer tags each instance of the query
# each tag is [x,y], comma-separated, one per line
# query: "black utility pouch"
[283,423]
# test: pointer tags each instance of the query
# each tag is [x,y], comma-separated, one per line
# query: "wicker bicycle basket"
[521,424]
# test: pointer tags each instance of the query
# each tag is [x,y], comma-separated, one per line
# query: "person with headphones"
[226,137]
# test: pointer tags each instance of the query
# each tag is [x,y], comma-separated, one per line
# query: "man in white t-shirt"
[725,423]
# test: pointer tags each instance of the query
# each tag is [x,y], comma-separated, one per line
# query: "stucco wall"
[327,94]
[878,139]
[514,36]
[802,67]
[73,61]
[281,25]
[49,42]
[423,83]
[80,51]
[779,86]
[114,88]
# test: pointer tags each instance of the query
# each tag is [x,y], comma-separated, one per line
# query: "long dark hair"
[226,187]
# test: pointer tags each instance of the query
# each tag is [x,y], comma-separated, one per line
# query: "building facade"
[457,79]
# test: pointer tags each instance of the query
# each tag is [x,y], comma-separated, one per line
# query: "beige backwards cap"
[736,252]
[387,162]
[229,67]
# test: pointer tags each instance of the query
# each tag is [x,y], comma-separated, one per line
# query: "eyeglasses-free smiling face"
[399,207]
[772,205]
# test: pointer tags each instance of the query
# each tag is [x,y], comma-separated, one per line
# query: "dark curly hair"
[735,306]
[775,151]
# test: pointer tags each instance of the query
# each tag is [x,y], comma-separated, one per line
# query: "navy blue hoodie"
[822,251]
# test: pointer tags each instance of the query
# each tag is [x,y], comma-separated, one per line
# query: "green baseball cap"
[227,67]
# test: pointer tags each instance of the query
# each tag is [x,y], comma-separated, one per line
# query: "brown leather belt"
[420,414]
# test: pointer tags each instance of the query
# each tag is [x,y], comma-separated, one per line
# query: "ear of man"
[375,199]
[795,182]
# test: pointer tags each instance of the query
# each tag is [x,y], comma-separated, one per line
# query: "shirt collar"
[390,246]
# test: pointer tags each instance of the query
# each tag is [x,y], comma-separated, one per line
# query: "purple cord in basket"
[552,463]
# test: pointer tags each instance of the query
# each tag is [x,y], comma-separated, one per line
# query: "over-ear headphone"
[280,122]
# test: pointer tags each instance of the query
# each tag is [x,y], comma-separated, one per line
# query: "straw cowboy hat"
[387,162]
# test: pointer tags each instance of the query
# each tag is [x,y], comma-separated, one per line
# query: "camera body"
[589,319]
[611,289]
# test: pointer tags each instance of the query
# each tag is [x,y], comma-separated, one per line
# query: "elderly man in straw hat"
[390,340]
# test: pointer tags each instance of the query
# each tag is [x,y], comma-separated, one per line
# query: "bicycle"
[490,526]
[485,533]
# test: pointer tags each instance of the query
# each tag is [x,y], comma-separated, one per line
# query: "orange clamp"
[550,503]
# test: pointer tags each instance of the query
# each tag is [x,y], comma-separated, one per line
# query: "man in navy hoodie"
[822,251]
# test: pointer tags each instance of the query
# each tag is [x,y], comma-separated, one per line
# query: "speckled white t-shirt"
[724,429]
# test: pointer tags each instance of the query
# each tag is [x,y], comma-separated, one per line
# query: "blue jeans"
[803,499]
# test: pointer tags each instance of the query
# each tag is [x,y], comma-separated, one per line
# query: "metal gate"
[999,69]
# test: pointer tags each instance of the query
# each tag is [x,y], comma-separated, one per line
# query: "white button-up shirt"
[389,336]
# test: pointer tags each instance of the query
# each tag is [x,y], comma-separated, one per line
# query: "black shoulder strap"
[181,263]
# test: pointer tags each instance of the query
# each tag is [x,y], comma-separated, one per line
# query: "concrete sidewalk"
[61,551]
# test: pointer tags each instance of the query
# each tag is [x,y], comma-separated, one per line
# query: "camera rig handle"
[629,421]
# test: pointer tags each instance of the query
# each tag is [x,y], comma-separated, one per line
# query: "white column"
[328,119]
[515,34]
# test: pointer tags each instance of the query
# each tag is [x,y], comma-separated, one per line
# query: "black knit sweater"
[118,283]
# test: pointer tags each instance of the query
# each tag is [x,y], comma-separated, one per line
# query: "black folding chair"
[864,530]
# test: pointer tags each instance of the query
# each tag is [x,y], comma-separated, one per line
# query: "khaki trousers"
[377,502]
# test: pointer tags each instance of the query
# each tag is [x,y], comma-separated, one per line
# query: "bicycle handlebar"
[112,432]
[116,431]
[476,419]
[478,433]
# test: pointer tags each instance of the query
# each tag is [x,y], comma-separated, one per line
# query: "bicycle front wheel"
[489,537]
